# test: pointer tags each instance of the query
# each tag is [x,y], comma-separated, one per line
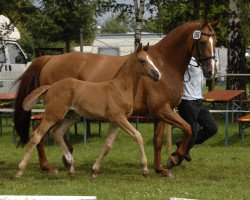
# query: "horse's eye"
[143,62]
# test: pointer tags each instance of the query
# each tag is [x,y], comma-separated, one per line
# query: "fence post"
[81,40]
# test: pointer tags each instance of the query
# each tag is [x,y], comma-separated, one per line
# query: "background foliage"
[57,22]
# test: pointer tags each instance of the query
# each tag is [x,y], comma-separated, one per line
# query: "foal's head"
[203,47]
[144,64]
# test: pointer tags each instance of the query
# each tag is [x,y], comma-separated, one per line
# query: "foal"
[110,100]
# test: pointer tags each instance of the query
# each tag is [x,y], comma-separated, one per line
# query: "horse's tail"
[33,97]
[28,81]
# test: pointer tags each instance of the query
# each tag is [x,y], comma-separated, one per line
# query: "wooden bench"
[244,122]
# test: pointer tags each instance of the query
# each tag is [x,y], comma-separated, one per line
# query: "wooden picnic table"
[224,97]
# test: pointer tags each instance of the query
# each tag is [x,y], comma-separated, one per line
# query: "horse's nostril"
[210,73]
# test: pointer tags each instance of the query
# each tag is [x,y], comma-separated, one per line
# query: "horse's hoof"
[161,170]
[49,168]
[164,172]
[170,163]
[65,162]
[170,174]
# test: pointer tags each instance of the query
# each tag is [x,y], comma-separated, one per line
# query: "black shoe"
[187,157]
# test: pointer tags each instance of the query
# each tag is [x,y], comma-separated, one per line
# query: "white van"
[13,60]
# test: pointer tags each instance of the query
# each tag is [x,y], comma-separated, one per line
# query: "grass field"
[216,172]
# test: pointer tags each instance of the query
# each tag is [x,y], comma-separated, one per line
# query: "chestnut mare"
[111,100]
[171,55]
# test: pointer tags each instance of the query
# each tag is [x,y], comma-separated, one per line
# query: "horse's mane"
[172,32]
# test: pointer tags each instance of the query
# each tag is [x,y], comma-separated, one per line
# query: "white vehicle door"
[17,61]
[5,75]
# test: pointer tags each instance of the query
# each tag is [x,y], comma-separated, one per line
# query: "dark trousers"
[196,114]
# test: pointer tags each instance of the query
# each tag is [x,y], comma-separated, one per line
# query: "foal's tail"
[27,82]
[34,96]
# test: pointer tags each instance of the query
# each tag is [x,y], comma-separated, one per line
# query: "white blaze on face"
[212,50]
[151,62]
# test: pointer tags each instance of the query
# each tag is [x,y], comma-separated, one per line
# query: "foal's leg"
[111,135]
[58,132]
[35,139]
[43,162]
[125,125]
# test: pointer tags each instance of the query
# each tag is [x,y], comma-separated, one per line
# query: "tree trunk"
[236,49]
[207,5]
[139,11]
[196,9]
[67,43]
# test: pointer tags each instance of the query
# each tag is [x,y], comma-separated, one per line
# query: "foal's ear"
[215,23]
[146,47]
[139,48]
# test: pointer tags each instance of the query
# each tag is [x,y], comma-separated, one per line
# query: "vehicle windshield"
[16,55]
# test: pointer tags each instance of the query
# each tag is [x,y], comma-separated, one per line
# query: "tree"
[63,20]
[236,48]
[115,25]
[19,12]
[139,12]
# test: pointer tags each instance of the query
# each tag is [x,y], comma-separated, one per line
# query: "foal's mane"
[123,65]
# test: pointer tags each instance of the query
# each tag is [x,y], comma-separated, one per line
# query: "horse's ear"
[139,48]
[146,47]
[205,23]
[215,23]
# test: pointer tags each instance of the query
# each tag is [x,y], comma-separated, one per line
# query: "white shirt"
[193,84]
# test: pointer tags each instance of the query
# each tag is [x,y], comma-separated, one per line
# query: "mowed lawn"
[216,172]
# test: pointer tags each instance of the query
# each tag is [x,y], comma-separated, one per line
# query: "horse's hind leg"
[125,125]
[58,132]
[35,139]
[43,162]
[111,135]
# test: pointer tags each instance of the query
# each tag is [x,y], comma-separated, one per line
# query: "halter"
[197,35]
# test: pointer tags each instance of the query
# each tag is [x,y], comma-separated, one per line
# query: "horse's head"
[145,65]
[203,47]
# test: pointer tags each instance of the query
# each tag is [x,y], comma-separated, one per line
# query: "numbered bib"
[197,35]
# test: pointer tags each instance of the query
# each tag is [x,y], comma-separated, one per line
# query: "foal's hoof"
[72,174]
[170,163]
[18,175]
[93,176]
[145,174]
[65,162]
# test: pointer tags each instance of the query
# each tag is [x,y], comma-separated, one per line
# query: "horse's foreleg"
[111,135]
[125,125]
[167,115]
